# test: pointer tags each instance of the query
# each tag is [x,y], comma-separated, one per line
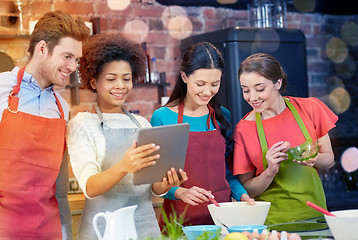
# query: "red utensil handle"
[214,202]
[318,208]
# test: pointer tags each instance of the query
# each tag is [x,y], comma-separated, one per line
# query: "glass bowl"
[305,151]
[192,232]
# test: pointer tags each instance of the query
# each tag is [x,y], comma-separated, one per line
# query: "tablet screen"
[173,142]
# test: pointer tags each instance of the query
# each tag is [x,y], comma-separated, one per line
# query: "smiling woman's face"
[260,92]
[113,86]
[202,85]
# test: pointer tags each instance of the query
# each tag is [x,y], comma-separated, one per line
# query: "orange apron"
[205,167]
[31,152]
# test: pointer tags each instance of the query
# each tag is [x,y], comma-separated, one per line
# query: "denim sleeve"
[170,194]
[235,185]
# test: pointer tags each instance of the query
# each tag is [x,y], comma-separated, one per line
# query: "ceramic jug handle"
[95,225]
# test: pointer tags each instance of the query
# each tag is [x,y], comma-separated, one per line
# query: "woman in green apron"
[261,160]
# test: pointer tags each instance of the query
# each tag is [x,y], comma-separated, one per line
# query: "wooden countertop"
[77,201]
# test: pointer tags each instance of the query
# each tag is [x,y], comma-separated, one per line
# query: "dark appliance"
[236,44]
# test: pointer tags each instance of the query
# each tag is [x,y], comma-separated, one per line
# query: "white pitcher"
[119,224]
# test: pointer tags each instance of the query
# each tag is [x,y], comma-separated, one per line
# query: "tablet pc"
[173,142]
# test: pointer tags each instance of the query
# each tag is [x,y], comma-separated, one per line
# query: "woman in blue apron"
[194,101]
[101,143]
[267,172]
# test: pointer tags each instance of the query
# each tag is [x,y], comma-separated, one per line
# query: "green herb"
[172,229]
[209,235]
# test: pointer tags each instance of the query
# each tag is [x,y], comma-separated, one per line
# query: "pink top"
[317,117]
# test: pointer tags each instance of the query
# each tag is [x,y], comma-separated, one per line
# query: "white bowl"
[344,226]
[239,213]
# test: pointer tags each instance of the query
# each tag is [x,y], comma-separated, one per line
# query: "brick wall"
[318,29]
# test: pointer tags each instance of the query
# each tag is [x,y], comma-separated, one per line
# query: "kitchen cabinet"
[76,202]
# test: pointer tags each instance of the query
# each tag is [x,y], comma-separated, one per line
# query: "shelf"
[10,36]
[162,86]
[152,84]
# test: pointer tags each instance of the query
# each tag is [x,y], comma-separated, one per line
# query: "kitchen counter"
[315,234]
[77,201]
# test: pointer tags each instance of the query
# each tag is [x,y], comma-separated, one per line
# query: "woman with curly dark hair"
[101,144]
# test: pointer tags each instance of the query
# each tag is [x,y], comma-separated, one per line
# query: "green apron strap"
[262,137]
[298,120]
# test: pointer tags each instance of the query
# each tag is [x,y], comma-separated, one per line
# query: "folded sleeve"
[324,118]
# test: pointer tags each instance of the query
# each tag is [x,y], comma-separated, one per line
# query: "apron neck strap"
[262,138]
[261,132]
[20,75]
[210,117]
[130,115]
[13,103]
[180,112]
[298,120]
[58,105]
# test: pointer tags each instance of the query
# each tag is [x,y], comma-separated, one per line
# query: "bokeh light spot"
[349,159]
[349,33]
[171,12]
[136,30]
[226,1]
[339,100]
[180,27]
[118,4]
[261,42]
[336,50]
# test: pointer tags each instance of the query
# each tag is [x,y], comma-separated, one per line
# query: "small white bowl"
[344,226]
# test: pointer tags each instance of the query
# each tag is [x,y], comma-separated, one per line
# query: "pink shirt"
[317,117]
